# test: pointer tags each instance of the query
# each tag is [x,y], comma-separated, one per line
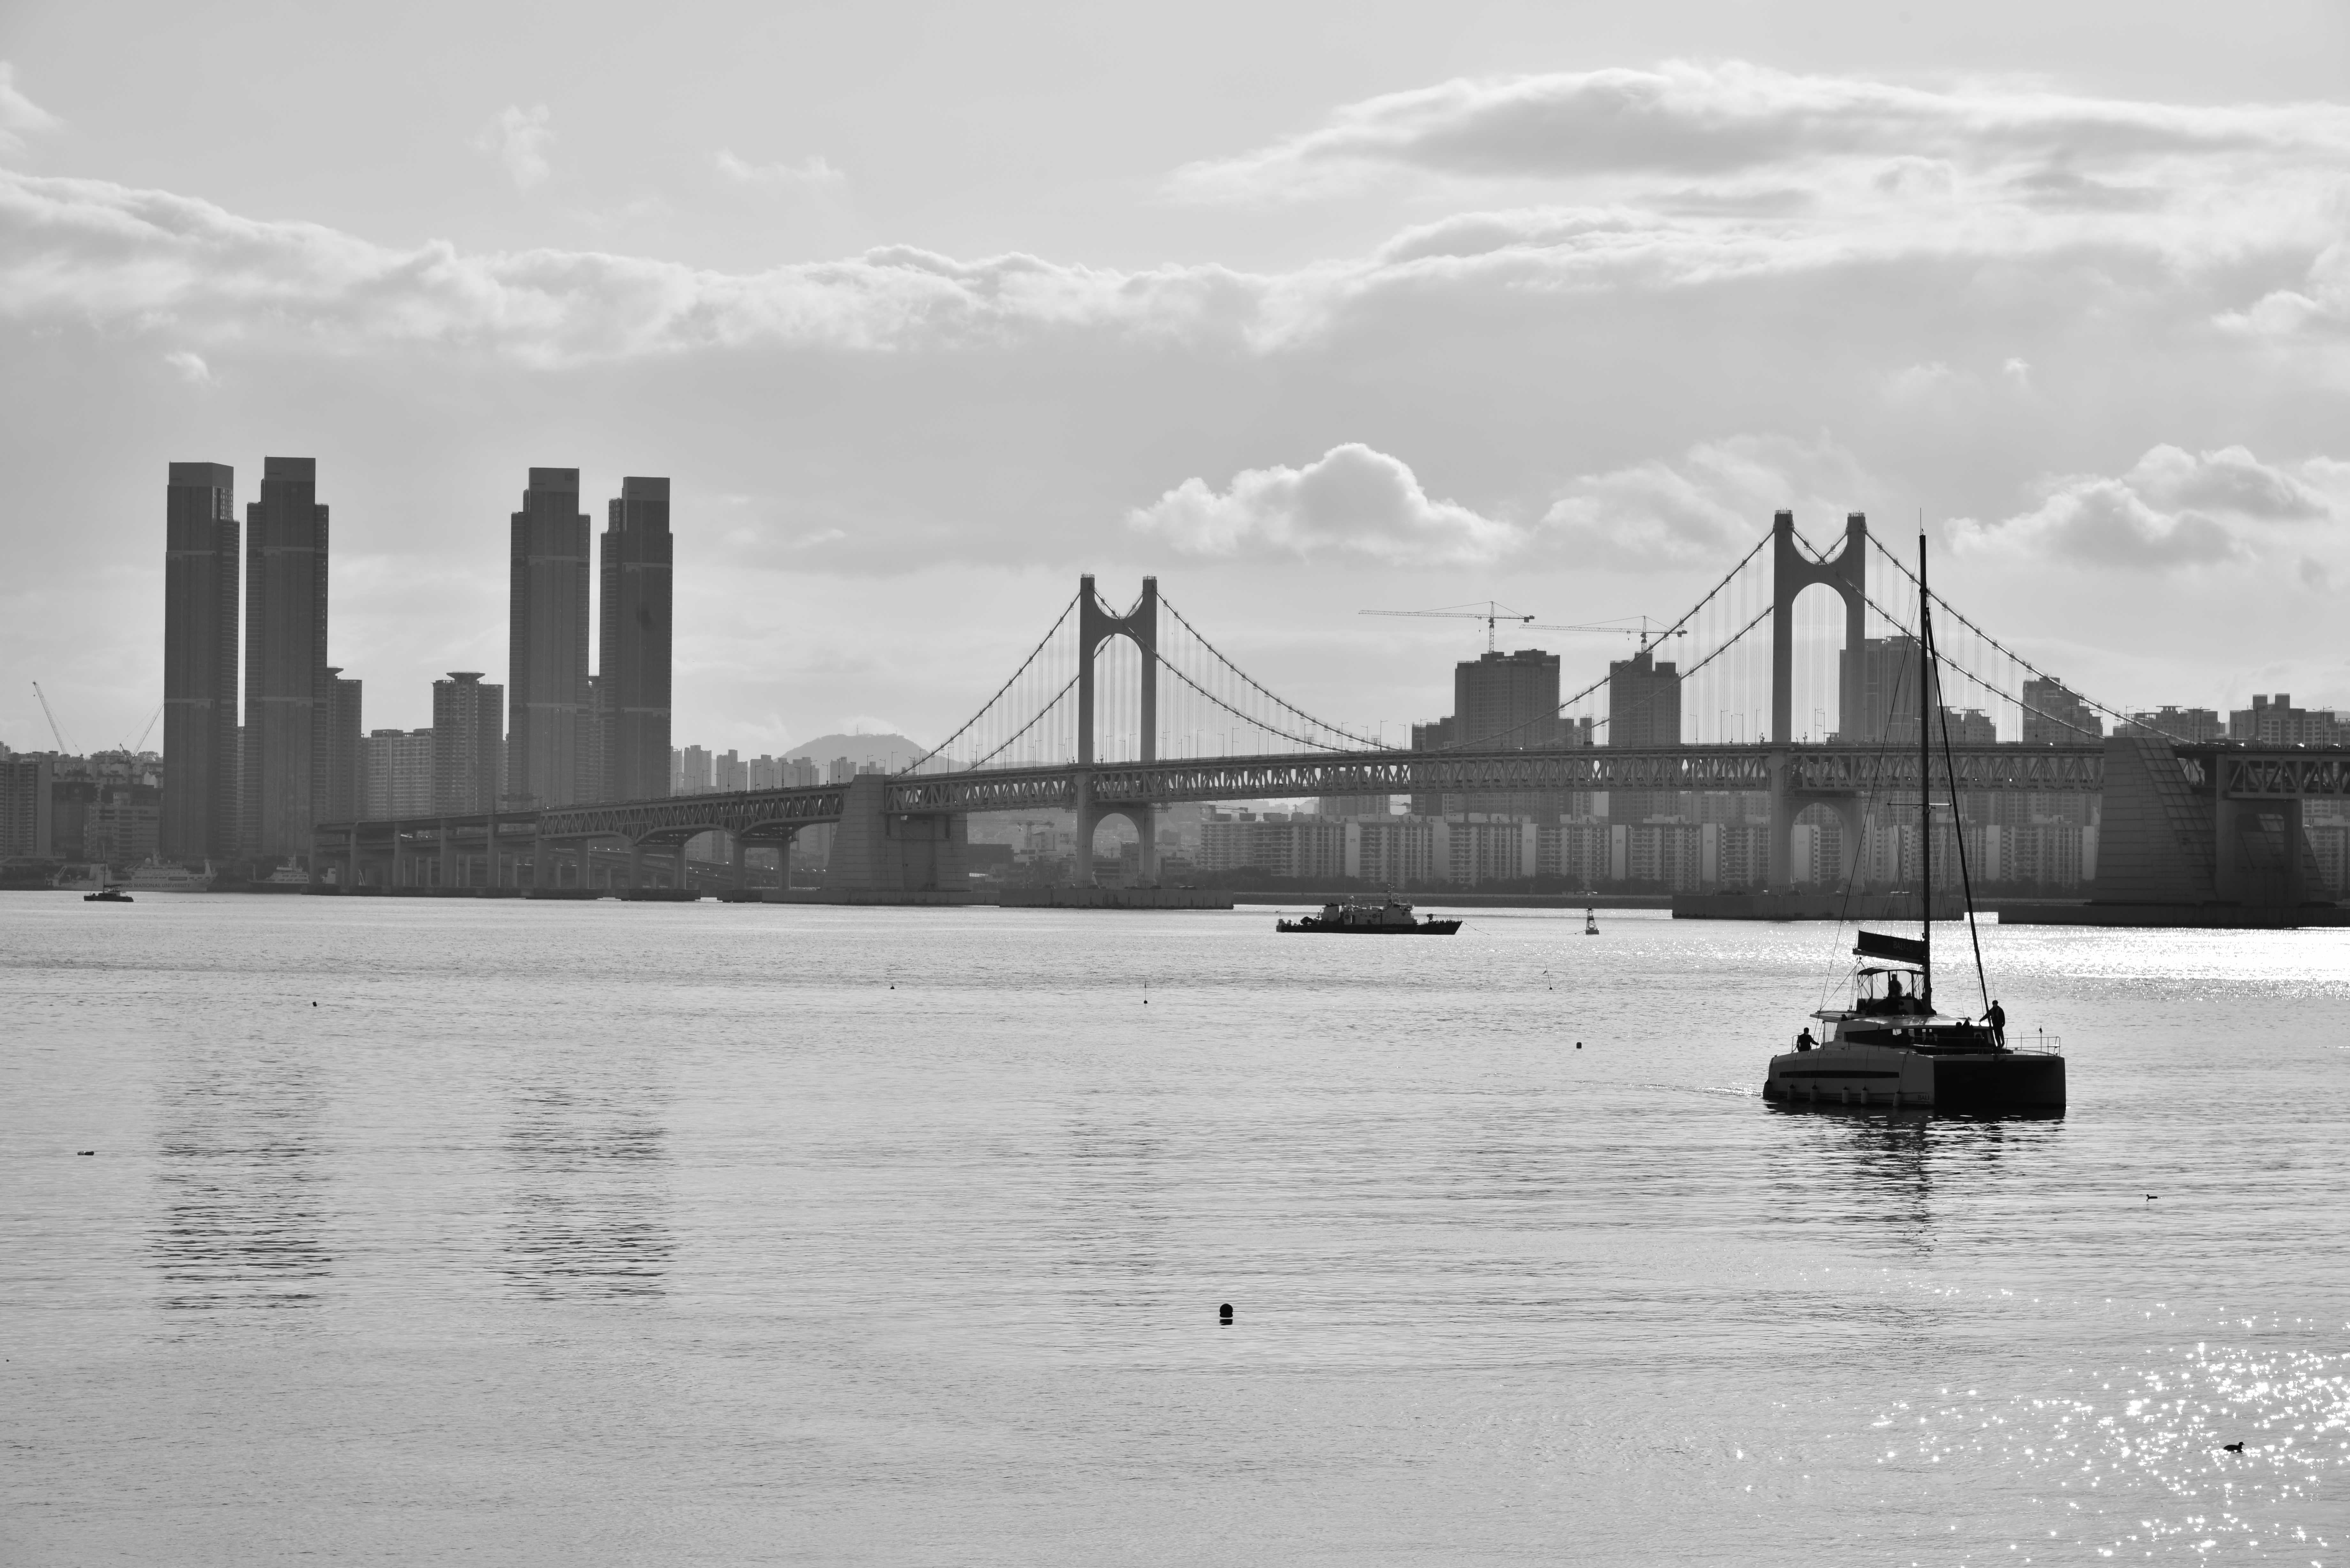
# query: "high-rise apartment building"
[634,644]
[396,774]
[548,735]
[201,540]
[468,743]
[2276,722]
[1510,701]
[1885,689]
[1644,709]
[28,820]
[2052,715]
[2178,724]
[342,799]
[285,677]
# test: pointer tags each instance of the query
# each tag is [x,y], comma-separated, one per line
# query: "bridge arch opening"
[1115,849]
[1815,683]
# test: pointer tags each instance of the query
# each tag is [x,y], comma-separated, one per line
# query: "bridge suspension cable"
[1311,722]
[1955,613]
[986,708]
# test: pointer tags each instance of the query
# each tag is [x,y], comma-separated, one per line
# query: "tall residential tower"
[200,602]
[633,680]
[287,755]
[547,734]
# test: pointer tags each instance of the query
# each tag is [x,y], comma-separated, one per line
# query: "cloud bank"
[2177,510]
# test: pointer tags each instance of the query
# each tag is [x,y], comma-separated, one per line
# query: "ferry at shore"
[1391,917]
[1891,1046]
[152,875]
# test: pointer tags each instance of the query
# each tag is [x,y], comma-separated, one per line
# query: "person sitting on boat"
[1892,993]
[1804,1042]
[1997,1019]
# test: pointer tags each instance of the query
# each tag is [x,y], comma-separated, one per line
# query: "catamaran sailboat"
[1891,1046]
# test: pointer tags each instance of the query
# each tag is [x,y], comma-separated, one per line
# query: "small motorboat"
[108,896]
[1390,918]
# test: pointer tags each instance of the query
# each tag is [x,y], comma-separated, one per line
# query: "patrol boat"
[1891,1046]
[1391,918]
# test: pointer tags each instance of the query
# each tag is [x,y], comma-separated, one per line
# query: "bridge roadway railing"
[774,814]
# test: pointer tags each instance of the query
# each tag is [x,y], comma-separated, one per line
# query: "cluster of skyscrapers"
[250,769]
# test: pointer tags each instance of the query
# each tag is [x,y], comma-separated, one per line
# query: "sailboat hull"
[1989,1082]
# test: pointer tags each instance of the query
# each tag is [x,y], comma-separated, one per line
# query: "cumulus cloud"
[1707,506]
[1684,120]
[519,138]
[1349,502]
[811,173]
[2173,510]
[1700,509]
[190,367]
[19,115]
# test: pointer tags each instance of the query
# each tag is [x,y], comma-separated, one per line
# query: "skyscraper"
[344,792]
[634,653]
[1509,702]
[548,736]
[1644,709]
[200,602]
[284,660]
[468,743]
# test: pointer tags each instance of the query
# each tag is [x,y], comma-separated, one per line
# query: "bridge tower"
[1096,626]
[1846,575]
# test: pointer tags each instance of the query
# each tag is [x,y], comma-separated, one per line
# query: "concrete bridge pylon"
[1845,574]
[1096,626]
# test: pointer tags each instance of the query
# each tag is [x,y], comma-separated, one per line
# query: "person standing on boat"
[1997,1019]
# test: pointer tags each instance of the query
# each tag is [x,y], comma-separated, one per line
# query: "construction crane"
[55,733]
[150,730]
[1493,611]
[1617,628]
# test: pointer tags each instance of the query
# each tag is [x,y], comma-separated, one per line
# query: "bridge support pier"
[874,849]
[1791,571]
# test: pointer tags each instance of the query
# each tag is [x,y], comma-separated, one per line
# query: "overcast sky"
[1307,308]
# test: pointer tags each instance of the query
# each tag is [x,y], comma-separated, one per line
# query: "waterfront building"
[396,774]
[548,737]
[468,743]
[27,823]
[201,543]
[638,566]
[284,660]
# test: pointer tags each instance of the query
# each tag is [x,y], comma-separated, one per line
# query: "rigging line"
[1958,833]
[1962,621]
[1289,706]
[1024,729]
[1868,810]
[1000,690]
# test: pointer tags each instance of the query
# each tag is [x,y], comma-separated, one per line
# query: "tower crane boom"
[56,734]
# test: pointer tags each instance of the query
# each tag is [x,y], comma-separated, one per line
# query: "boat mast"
[1925,771]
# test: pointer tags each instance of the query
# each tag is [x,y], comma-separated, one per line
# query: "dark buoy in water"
[1578,1045]
[1224,1312]
[314,1004]
[1228,1312]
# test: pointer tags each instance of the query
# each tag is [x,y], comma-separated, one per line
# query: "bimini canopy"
[1901,949]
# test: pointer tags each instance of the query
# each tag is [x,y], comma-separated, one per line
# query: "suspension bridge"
[1787,680]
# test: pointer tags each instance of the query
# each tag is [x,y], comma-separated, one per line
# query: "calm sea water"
[492,1232]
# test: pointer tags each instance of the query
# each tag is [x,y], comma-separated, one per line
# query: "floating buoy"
[1224,1312]
[1227,1309]
[1578,1045]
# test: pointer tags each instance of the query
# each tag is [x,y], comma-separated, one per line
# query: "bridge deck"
[1817,770]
